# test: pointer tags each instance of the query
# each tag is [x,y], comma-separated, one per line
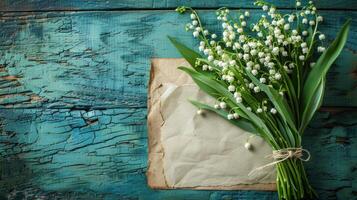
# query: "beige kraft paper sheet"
[187,150]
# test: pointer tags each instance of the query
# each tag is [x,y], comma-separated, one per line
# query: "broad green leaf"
[242,123]
[314,104]
[279,102]
[319,71]
[292,93]
[216,90]
[196,77]
[189,54]
[289,137]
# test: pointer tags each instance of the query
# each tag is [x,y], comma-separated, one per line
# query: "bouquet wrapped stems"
[268,78]
[297,185]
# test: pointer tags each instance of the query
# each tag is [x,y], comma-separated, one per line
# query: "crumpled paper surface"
[187,150]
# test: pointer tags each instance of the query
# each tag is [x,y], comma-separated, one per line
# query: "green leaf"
[286,133]
[189,54]
[196,76]
[216,90]
[279,102]
[242,123]
[314,104]
[319,71]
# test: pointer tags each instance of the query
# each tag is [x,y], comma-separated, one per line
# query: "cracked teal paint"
[73,89]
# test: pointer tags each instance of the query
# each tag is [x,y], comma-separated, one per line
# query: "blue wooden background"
[73,90]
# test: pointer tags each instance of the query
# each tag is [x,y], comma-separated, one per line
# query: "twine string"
[282,155]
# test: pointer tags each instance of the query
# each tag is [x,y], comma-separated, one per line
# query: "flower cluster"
[275,49]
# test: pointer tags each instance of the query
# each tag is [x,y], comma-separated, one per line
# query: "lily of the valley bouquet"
[268,78]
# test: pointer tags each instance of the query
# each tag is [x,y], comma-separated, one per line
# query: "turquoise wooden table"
[73,90]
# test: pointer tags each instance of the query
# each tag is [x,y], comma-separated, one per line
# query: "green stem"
[292,181]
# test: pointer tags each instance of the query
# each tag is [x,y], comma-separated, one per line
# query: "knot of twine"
[282,155]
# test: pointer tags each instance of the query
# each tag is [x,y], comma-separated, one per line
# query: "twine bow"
[282,155]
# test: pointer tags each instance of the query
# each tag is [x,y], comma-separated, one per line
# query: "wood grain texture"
[101,59]
[38,5]
[73,89]
[102,154]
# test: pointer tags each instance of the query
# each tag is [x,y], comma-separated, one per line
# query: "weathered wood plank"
[101,59]
[102,154]
[35,5]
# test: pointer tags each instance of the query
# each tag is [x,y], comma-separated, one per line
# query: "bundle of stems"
[268,78]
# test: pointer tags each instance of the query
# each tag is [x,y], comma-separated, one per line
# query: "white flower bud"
[301,57]
[265,7]
[277,76]
[273,111]
[312,22]
[271,65]
[246,56]
[199,112]
[239,99]
[304,33]
[248,146]
[201,48]
[320,49]
[213,36]
[291,18]
[275,51]
[272,71]
[236,94]
[194,22]
[193,16]
[235,115]
[216,106]
[319,19]
[222,105]
[259,110]
[230,79]
[261,54]
[304,21]
[231,88]
[224,25]
[298,3]
[256,89]
[253,52]
[246,13]
[195,34]
[210,58]
[254,72]
[230,116]
[322,37]
[286,26]
[240,30]
[262,80]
